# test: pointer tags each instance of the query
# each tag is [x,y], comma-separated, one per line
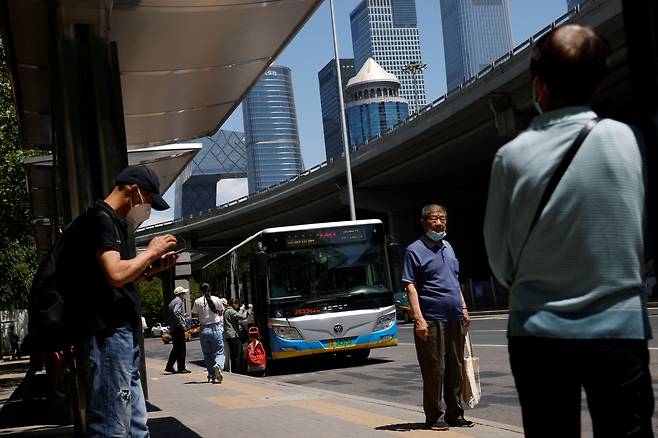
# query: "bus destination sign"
[322,237]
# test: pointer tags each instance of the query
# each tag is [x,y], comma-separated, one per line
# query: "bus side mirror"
[260,262]
[393,250]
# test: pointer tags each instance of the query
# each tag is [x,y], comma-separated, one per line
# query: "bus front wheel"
[360,354]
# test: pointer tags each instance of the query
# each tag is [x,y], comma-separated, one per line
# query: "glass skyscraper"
[374,103]
[222,156]
[270,124]
[387,31]
[329,100]
[475,33]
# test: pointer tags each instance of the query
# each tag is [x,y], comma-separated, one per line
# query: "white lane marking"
[475,345]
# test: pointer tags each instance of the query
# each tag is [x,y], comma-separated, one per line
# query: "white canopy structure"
[184,64]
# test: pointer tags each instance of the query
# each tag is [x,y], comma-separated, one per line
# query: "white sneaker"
[218,373]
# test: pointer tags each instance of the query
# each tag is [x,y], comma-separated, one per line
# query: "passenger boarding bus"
[315,288]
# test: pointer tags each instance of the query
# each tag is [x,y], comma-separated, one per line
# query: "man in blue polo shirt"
[430,275]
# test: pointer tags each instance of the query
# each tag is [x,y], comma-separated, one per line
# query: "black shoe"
[170,370]
[460,422]
[437,425]
[184,371]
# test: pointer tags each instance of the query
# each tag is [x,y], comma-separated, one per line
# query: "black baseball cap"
[146,180]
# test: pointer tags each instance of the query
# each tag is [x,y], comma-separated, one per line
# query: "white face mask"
[434,236]
[535,102]
[138,213]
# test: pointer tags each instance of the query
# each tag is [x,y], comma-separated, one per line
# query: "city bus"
[315,288]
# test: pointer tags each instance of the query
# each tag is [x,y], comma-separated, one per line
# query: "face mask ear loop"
[141,198]
[130,199]
[535,102]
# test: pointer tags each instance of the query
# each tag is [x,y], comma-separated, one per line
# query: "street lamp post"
[343,123]
[415,67]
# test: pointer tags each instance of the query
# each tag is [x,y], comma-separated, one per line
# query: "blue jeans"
[116,406]
[212,346]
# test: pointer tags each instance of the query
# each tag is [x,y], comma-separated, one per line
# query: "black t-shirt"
[102,307]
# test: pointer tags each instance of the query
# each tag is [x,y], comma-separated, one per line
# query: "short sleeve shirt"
[206,315]
[101,305]
[434,271]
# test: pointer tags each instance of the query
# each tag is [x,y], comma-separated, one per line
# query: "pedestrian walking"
[565,235]
[116,405]
[177,323]
[430,274]
[210,310]
[232,317]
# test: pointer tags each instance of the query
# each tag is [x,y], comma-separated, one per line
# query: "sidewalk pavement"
[185,406]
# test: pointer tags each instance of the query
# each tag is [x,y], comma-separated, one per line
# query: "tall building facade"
[475,33]
[573,3]
[374,103]
[222,156]
[387,31]
[270,124]
[329,101]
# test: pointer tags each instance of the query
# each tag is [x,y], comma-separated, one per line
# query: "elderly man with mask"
[430,274]
[116,405]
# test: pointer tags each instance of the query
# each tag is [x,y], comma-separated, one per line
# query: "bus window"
[329,270]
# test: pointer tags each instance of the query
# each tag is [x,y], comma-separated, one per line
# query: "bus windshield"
[328,270]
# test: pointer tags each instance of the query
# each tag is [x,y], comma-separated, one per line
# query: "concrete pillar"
[641,27]
[88,131]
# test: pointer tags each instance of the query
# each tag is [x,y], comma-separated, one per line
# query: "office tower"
[222,156]
[475,33]
[387,31]
[374,103]
[572,4]
[270,125]
[329,101]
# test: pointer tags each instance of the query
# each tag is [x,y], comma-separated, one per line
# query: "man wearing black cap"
[116,406]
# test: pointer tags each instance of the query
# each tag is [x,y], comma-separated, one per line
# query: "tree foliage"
[151,301]
[18,256]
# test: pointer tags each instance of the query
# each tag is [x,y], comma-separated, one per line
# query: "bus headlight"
[285,332]
[385,321]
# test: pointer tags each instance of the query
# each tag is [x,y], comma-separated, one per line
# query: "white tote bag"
[471,391]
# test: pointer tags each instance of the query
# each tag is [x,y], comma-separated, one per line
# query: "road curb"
[368,400]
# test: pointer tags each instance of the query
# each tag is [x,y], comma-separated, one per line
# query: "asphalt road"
[392,373]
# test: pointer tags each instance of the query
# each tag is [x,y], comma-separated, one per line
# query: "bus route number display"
[319,237]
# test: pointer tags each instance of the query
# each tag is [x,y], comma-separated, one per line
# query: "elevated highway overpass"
[441,155]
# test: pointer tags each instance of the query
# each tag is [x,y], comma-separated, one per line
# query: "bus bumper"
[284,349]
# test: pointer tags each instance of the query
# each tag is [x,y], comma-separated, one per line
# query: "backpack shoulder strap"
[557,177]
[561,169]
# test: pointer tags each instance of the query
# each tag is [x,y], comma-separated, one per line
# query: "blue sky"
[312,48]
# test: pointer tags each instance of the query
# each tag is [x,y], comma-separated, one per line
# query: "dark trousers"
[441,359]
[549,374]
[236,354]
[178,350]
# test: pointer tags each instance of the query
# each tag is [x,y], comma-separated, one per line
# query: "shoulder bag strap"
[557,176]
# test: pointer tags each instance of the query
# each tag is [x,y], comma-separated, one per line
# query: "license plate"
[340,343]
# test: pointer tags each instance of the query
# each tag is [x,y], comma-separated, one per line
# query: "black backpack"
[55,320]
